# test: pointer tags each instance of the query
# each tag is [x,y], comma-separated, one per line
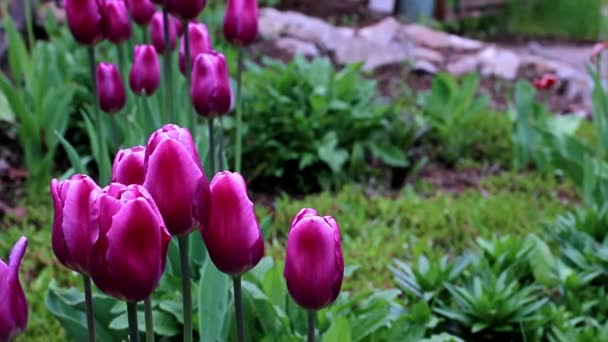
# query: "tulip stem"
[238,308]
[168,73]
[88,297]
[188,70]
[239,112]
[149,320]
[220,151]
[104,172]
[187,295]
[311,325]
[132,315]
[211,146]
[122,61]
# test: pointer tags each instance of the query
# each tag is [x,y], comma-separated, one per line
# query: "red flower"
[546,81]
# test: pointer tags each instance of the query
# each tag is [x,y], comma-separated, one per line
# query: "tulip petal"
[57,240]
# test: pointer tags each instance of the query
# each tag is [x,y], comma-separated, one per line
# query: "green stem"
[132,315]
[29,23]
[88,297]
[115,138]
[238,148]
[122,61]
[238,308]
[311,325]
[149,320]
[152,115]
[167,69]
[104,173]
[211,147]
[186,291]
[188,69]
[220,151]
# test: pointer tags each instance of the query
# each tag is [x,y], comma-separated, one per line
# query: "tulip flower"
[210,88]
[141,11]
[233,236]
[128,167]
[145,72]
[128,257]
[115,21]
[176,179]
[546,81]
[186,9]
[110,89]
[13,311]
[597,50]
[84,20]
[200,42]
[157,32]
[241,22]
[314,266]
[74,229]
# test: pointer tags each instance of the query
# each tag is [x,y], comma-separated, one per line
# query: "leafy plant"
[310,125]
[461,121]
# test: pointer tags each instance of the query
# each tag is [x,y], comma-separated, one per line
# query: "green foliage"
[462,122]
[557,18]
[310,126]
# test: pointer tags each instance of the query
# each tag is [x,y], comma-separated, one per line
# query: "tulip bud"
[13,311]
[233,236]
[141,11]
[200,42]
[546,81]
[84,20]
[597,50]
[241,21]
[110,90]
[128,258]
[210,88]
[176,179]
[74,228]
[145,72]
[186,9]
[115,21]
[157,32]
[314,266]
[128,167]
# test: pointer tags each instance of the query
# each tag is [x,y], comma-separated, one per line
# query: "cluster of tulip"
[118,235]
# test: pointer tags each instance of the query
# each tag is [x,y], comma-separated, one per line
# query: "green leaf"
[389,154]
[330,154]
[72,154]
[213,303]
[339,331]
[6,112]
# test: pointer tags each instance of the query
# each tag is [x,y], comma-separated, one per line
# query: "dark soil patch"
[455,180]
[12,175]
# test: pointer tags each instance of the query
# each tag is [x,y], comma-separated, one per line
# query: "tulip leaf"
[339,331]
[213,303]
[75,160]
[67,305]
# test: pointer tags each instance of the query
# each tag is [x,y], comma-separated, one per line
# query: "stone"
[421,53]
[425,67]
[463,65]
[387,55]
[382,6]
[370,53]
[499,62]
[294,47]
[382,32]
[430,38]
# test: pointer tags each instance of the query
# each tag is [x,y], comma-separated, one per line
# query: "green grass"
[376,229]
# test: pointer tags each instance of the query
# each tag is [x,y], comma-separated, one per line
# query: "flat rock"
[430,38]
[382,32]
[421,53]
[425,67]
[373,55]
[294,47]
[499,62]
[463,65]
[382,6]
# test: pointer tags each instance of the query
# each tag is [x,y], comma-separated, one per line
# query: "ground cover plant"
[498,231]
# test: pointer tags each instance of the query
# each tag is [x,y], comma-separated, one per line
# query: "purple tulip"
[110,89]
[145,72]
[128,258]
[13,311]
[233,236]
[241,22]
[128,167]
[157,32]
[176,179]
[314,266]
[84,20]
[186,9]
[200,42]
[210,88]
[115,21]
[141,11]
[74,228]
